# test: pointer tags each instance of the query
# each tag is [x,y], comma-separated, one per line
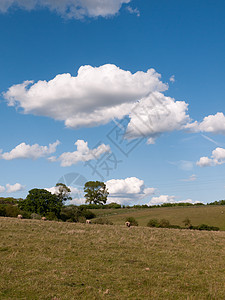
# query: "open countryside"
[57,260]
[112,150]
[210,215]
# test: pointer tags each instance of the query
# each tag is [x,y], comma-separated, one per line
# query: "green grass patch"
[210,215]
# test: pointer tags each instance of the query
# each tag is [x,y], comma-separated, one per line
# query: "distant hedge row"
[163,223]
[14,201]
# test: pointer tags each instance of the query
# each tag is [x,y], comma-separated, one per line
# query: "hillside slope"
[44,260]
[210,215]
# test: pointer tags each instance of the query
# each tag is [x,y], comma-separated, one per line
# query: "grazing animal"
[127,224]
[88,221]
[43,219]
[19,217]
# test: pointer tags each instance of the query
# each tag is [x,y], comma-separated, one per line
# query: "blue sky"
[178,157]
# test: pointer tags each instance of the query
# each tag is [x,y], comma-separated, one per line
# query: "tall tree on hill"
[95,192]
[63,192]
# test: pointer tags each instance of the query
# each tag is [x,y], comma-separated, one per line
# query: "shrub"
[26,214]
[9,200]
[12,211]
[113,205]
[187,222]
[153,223]
[51,216]
[2,210]
[174,226]
[81,219]
[88,214]
[70,214]
[207,227]
[73,213]
[102,221]
[132,221]
[164,223]
[35,216]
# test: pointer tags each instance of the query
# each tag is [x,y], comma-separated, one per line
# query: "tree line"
[40,202]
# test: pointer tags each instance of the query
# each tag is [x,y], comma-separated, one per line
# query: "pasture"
[210,215]
[56,260]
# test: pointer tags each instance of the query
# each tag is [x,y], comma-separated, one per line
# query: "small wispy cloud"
[210,139]
[172,79]
[184,165]
[189,179]
[133,11]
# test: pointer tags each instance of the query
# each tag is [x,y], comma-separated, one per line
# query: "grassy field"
[210,215]
[55,260]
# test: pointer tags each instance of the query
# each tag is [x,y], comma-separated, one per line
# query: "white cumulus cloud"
[83,153]
[77,9]
[29,151]
[95,96]
[156,114]
[127,191]
[212,124]
[14,187]
[217,158]
[162,199]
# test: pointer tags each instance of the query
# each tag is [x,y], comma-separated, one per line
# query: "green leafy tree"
[63,192]
[42,202]
[95,192]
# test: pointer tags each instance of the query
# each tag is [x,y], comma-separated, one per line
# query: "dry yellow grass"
[52,260]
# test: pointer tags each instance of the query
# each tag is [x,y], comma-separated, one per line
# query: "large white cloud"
[217,158]
[95,96]
[156,114]
[69,8]
[29,151]
[127,191]
[83,153]
[12,188]
[212,124]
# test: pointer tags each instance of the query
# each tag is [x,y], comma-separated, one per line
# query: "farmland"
[57,260]
[210,215]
